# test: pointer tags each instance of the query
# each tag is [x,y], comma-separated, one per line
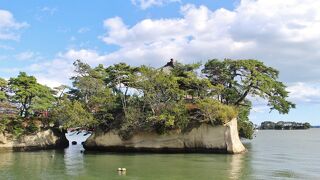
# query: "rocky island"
[174,108]
[44,139]
[22,127]
[283,125]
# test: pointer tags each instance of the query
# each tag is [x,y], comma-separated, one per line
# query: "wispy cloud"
[63,29]
[44,12]
[83,30]
[49,10]
[9,27]
[5,47]
[27,55]
[145,4]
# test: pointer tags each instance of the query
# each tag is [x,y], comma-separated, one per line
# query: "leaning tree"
[242,79]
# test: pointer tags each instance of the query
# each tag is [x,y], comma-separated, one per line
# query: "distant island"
[284,125]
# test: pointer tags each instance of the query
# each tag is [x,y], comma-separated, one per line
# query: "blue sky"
[56,25]
[43,38]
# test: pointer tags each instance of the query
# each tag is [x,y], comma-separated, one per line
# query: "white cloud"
[59,70]
[283,34]
[53,72]
[305,93]
[145,4]
[91,57]
[25,55]
[9,26]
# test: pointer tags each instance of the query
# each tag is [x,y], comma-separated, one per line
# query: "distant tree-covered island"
[284,125]
[132,99]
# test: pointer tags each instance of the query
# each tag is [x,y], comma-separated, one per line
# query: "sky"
[44,38]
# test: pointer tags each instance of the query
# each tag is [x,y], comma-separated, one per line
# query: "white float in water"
[122,169]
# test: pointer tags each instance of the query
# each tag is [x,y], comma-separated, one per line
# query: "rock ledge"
[206,138]
[46,139]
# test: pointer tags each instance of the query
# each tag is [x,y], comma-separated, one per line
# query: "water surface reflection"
[271,155]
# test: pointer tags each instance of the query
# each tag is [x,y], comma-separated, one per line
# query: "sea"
[271,154]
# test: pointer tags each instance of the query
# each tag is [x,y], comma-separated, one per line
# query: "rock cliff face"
[206,138]
[46,139]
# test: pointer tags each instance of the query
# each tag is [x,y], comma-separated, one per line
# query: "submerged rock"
[47,139]
[206,138]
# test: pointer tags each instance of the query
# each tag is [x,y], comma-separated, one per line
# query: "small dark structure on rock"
[170,63]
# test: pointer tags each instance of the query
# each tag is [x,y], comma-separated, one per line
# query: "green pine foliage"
[131,99]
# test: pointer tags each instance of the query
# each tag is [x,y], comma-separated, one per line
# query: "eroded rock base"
[204,139]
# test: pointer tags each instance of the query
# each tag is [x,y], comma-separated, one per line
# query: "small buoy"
[119,169]
[74,142]
[123,169]
[52,155]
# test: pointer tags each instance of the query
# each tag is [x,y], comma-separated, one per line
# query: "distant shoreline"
[284,125]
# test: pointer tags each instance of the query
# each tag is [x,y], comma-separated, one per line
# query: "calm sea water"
[271,155]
